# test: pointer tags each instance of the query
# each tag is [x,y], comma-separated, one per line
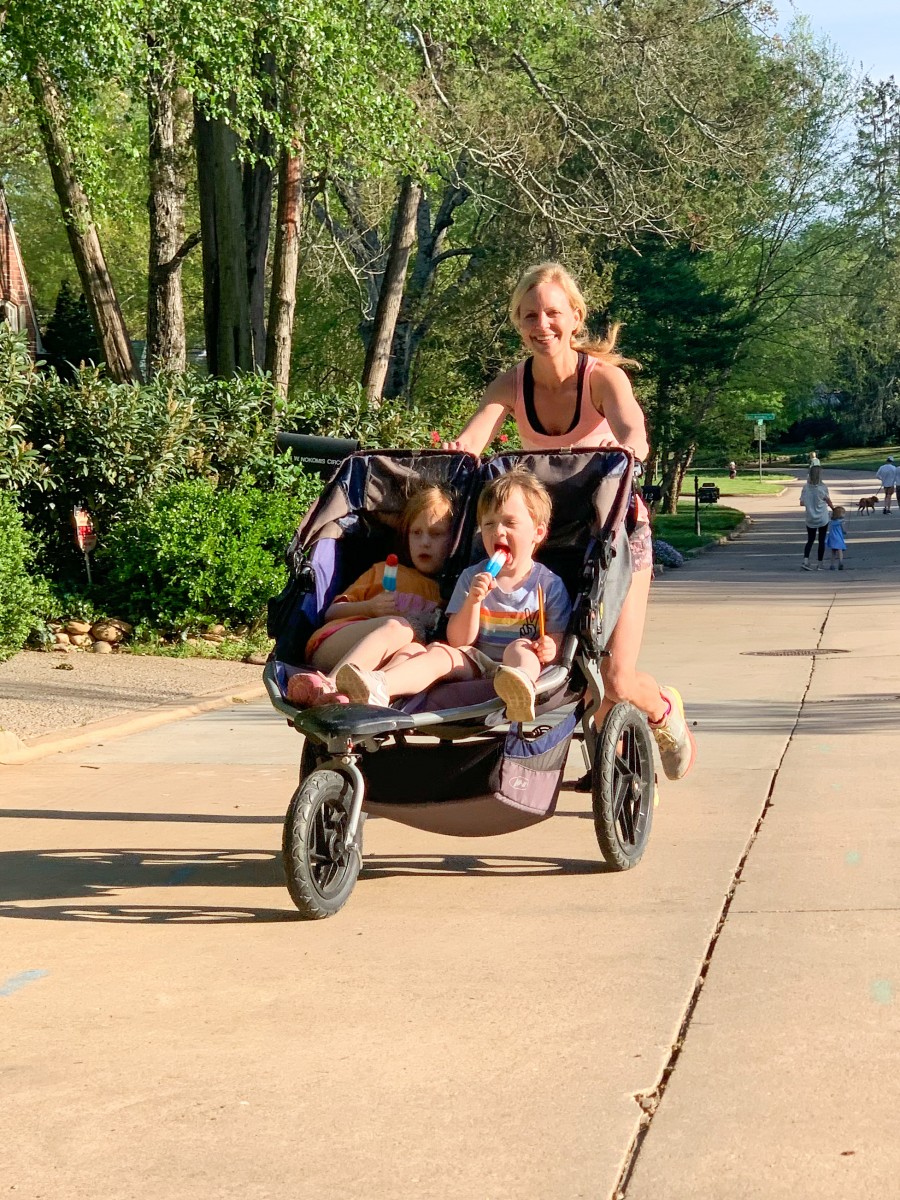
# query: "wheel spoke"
[622,810]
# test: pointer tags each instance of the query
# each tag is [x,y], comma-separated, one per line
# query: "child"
[370,624]
[494,626]
[835,540]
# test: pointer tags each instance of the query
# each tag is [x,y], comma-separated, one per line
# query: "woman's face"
[547,320]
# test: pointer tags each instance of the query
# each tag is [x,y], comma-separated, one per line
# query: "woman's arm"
[612,395]
[499,401]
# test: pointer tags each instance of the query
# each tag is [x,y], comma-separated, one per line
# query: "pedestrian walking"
[815,500]
[835,539]
[887,475]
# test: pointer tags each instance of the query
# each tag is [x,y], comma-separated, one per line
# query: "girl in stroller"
[373,621]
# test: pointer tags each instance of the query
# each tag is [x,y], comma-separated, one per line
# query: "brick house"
[15,298]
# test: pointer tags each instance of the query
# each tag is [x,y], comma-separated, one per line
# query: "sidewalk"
[500,1019]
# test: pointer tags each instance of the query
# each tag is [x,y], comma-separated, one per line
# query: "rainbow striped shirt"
[506,616]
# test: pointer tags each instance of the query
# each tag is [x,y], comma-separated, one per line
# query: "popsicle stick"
[540,610]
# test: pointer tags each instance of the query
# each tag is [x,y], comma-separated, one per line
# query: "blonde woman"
[572,392]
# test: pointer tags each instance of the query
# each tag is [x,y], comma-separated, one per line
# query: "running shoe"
[677,748]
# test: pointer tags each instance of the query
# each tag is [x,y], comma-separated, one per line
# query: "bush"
[195,553]
[22,597]
[21,464]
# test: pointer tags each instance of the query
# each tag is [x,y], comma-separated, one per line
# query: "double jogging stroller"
[448,761]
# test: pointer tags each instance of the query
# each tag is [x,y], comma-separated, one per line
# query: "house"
[15,298]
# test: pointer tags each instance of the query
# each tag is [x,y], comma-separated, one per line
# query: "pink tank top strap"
[589,425]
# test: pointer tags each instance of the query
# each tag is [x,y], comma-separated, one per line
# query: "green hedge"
[22,597]
[195,553]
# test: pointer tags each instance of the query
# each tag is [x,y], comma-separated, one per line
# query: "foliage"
[22,596]
[195,552]
[677,529]
[69,339]
[21,464]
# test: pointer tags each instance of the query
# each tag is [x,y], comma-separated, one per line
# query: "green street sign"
[760,416]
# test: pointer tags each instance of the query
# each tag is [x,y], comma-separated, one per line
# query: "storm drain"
[788,653]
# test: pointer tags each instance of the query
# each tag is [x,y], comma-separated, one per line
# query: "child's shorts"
[485,667]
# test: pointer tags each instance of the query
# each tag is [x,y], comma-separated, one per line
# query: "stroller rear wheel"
[320,870]
[622,787]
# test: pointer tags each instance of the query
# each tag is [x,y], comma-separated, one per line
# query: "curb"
[14,751]
[731,536]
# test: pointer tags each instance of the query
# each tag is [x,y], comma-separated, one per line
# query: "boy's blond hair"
[838,511]
[536,497]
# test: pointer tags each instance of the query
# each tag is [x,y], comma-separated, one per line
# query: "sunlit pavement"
[500,1018]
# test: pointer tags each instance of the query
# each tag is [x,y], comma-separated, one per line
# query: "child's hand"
[545,649]
[383,605]
[480,586]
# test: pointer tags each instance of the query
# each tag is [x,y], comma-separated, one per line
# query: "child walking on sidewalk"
[835,541]
[505,629]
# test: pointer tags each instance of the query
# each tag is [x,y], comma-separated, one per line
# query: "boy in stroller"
[505,629]
[379,618]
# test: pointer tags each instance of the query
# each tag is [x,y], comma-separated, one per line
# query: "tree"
[69,339]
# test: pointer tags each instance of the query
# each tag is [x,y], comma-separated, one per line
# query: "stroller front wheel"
[622,787]
[320,870]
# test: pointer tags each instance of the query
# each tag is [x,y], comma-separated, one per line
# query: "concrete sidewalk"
[501,1018]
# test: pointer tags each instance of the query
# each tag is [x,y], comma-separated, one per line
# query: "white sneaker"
[516,690]
[805,565]
[363,687]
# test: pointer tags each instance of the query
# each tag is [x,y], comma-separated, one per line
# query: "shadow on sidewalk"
[845,715]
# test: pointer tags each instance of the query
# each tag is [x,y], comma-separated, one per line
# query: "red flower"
[435,438]
[503,437]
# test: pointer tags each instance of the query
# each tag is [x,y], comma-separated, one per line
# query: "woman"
[815,500]
[572,392]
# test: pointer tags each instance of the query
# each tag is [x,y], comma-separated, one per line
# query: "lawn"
[678,530]
[746,484]
[861,458]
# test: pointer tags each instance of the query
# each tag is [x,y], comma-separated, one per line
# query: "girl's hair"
[519,479]
[815,475]
[428,497]
[603,348]
[838,511]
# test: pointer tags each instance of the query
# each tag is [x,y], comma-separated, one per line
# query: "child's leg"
[368,644]
[520,654]
[412,671]
[514,682]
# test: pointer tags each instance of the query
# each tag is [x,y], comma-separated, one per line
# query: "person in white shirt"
[815,499]
[887,475]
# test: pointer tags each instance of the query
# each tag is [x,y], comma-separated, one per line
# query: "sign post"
[760,431]
[85,537]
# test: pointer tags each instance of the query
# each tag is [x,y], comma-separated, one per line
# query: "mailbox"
[708,493]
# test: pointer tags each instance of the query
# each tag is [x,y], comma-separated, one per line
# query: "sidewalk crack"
[649,1102]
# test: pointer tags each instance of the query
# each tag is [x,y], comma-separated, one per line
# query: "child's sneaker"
[840,566]
[832,567]
[363,687]
[516,690]
[677,748]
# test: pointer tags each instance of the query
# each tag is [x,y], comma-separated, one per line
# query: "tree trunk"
[379,350]
[285,265]
[257,200]
[226,303]
[84,240]
[166,348]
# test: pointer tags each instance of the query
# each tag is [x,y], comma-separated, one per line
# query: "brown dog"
[867,504]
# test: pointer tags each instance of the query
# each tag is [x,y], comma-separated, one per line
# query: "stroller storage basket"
[471,789]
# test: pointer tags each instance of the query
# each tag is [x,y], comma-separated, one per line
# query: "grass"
[745,484]
[231,649]
[860,458]
[678,530]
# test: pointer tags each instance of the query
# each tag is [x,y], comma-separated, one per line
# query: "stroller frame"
[324,824]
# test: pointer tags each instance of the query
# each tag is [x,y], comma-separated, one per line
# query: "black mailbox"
[320,454]
[652,493]
[708,493]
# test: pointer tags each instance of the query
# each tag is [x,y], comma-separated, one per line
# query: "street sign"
[760,416]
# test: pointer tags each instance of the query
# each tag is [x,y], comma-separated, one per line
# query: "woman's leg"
[623,681]
[822,531]
[810,538]
[368,644]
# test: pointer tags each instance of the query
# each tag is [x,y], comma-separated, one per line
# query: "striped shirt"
[506,616]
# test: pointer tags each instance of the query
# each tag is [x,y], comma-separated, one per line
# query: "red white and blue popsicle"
[389,579]
[497,562]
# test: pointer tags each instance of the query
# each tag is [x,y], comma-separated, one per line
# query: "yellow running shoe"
[677,748]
